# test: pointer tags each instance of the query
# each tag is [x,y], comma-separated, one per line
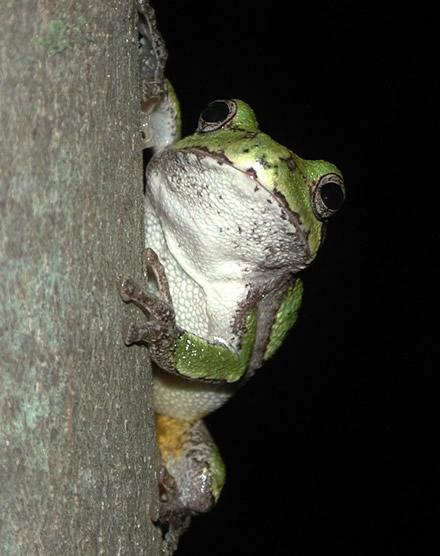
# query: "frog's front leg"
[192,471]
[176,350]
[160,331]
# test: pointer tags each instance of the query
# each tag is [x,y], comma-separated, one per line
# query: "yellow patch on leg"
[171,434]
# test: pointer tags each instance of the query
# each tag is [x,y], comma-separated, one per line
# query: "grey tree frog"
[231,218]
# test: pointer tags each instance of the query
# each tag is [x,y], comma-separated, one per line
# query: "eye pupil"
[332,195]
[328,196]
[218,114]
[216,111]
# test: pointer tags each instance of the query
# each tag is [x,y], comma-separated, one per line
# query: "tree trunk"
[77,451]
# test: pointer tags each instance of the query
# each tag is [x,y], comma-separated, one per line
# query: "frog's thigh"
[193,473]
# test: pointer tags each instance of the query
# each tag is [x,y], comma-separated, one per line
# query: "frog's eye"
[216,115]
[328,196]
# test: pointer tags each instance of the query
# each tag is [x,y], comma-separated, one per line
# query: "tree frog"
[231,218]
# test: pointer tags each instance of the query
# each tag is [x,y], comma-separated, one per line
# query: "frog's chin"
[274,198]
[218,218]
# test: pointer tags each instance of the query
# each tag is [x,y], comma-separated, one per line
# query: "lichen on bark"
[77,451]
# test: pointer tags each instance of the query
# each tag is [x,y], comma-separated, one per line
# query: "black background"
[330,447]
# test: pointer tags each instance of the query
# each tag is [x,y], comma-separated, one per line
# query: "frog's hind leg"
[192,473]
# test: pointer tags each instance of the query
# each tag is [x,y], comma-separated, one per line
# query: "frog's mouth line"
[286,212]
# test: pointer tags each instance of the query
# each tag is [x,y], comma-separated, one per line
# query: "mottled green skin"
[175,106]
[196,358]
[285,318]
[283,172]
[276,167]
[217,471]
[255,305]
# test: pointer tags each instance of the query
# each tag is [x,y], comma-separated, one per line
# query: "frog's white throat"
[219,221]
[216,229]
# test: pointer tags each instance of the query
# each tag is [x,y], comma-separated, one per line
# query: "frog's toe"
[129,333]
[133,333]
[127,288]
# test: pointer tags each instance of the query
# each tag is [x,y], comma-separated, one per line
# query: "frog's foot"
[146,301]
[192,472]
[146,332]
[161,323]
[159,331]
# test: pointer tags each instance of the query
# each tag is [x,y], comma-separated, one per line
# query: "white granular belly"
[185,399]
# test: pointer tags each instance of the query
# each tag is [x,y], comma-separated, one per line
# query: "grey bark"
[77,452]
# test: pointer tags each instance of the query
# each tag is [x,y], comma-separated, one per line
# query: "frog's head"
[273,203]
